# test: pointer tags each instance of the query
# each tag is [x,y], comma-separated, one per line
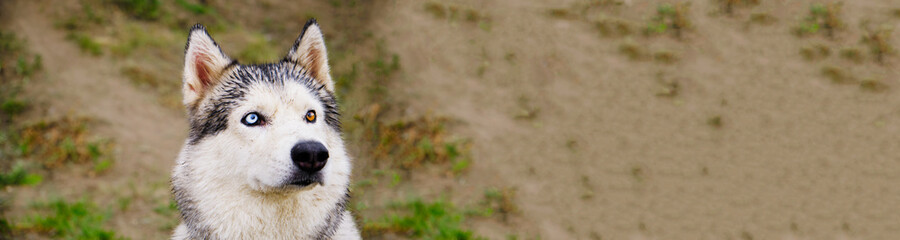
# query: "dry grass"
[672,18]
[633,51]
[728,6]
[407,144]
[873,85]
[837,75]
[66,140]
[763,18]
[879,42]
[815,52]
[825,17]
[613,27]
[852,54]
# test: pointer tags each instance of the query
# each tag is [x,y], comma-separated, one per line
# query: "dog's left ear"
[309,53]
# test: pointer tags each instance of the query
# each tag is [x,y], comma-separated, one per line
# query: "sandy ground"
[604,156]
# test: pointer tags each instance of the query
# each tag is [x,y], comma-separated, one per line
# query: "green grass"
[86,43]
[195,8]
[19,176]
[71,220]
[140,9]
[424,220]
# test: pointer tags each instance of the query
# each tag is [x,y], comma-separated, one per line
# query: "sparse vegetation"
[62,141]
[666,57]
[76,220]
[19,176]
[613,27]
[762,18]
[86,43]
[454,12]
[633,51]
[715,121]
[837,75]
[501,201]
[423,220]
[873,85]
[821,17]
[672,18]
[140,9]
[815,52]
[879,42]
[852,54]
[729,5]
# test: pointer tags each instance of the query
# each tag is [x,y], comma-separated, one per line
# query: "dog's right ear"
[204,63]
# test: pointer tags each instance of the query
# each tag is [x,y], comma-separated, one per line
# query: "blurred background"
[580,119]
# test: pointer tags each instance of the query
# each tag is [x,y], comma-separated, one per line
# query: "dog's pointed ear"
[309,53]
[204,63]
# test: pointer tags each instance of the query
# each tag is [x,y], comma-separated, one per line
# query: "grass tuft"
[837,75]
[140,9]
[423,220]
[728,6]
[86,43]
[19,176]
[879,42]
[77,220]
[821,17]
[672,18]
[62,141]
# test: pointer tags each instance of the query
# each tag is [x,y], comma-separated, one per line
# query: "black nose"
[309,156]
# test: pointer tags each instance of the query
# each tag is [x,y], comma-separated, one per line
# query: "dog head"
[269,127]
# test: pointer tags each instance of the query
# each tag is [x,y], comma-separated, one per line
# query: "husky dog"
[264,158]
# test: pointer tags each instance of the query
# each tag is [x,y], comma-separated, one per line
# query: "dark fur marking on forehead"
[213,117]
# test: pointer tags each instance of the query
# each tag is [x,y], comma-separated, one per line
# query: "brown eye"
[311,116]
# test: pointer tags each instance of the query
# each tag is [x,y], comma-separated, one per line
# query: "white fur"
[238,179]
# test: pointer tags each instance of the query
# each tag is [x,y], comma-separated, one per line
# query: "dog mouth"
[304,180]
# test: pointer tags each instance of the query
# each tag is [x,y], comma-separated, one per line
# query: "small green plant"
[140,9]
[19,176]
[500,201]
[76,220]
[11,107]
[86,43]
[821,17]
[670,18]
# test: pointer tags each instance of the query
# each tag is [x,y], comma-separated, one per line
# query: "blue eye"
[252,119]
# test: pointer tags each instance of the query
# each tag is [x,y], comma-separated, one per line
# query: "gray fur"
[211,119]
